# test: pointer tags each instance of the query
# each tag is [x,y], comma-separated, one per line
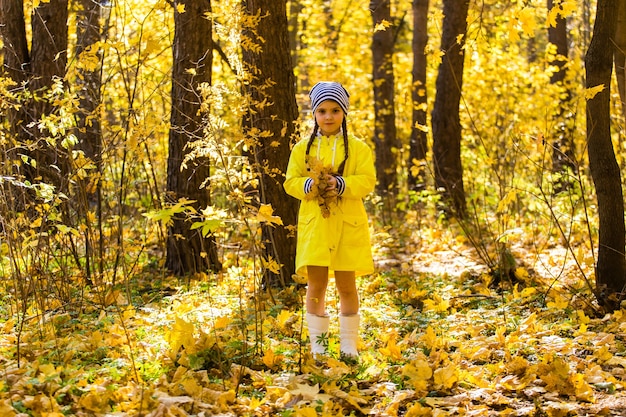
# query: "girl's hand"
[332,182]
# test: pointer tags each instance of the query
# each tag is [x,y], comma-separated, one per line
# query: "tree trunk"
[13,31]
[16,66]
[445,117]
[274,82]
[418,146]
[563,157]
[88,132]
[385,137]
[611,263]
[38,71]
[620,55]
[188,251]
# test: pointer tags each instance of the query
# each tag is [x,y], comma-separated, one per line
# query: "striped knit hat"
[328,90]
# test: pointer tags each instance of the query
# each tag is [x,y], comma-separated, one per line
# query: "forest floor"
[439,338]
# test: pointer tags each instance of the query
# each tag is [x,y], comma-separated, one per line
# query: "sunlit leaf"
[591,92]
[445,377]
[181,335]
[266,214]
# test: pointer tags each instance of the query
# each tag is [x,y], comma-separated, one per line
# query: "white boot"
[349,336]
[318,333]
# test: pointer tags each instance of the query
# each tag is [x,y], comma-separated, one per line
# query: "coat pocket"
[306,227]
[355,231]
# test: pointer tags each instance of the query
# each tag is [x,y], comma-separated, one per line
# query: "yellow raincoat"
[341,241]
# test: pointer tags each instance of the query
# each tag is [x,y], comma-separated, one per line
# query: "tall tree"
[385,135]
[445,116]
[273,111]
[89,82]
[188,251]
[620,54]
[603,166]
[418,146]
[88,127]
[37,69]
[563,157]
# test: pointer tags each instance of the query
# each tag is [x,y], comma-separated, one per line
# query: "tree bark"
[563,156]
[620,55]
[89,83]
[605,172]
[418,146]
[16,63]
[274,82]
[36,71]
[188,251]
[445,117]
[88,130]
[385,135]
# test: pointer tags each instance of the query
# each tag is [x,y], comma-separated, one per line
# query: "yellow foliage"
[392,350]
[437,304]
[266,215]
[418,373]
[181,335]
[445,377]
[320,192]
[591,92]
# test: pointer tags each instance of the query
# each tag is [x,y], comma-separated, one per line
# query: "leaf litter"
[437,339]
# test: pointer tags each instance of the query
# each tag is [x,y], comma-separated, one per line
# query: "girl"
[333,237]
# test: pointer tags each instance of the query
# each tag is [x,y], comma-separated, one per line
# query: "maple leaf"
[392,350]
[271,359]
[418,373]
[320,192]
[307,392]
[446,376]
[591,92]
[266,215]
[382,26]
[437,303]
[181,335]
[568,7]
[430,338]
[271,264]
[526,18]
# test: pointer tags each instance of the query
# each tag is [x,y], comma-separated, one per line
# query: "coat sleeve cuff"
[308,185]
[341,184]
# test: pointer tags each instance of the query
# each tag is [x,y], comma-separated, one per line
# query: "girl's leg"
[316,290]
[317,319]
[348,295]
[349,317]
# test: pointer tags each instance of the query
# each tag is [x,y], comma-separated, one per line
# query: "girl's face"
[329,117]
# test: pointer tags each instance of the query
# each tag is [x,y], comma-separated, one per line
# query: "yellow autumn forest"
[491,314]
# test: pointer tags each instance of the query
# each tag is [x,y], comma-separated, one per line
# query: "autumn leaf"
[381,26]
[271,265]
[392,350]
[265,214]
[437,303]
[271,359]
[526,19]
[445,377]
[591,92]
[418,372]
[181,335]
[320,192]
